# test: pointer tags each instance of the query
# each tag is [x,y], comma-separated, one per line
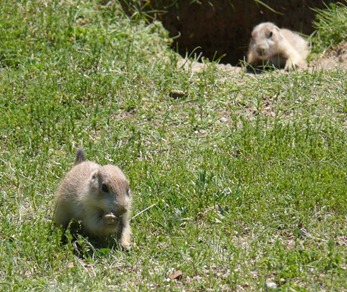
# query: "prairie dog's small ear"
[94,180]
[94,177]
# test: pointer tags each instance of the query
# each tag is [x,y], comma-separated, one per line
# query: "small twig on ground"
[138,214]
[87,267]
[309,235]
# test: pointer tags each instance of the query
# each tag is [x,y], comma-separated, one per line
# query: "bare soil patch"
[332,59]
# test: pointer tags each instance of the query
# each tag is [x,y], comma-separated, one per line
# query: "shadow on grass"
[86,246]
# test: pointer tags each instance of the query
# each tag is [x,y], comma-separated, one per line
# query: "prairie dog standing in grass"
[281,47]
[98,196]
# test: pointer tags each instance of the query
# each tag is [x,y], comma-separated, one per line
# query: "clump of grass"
[330,25]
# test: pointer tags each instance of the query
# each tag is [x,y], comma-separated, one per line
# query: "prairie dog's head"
[109,193]
[265,37]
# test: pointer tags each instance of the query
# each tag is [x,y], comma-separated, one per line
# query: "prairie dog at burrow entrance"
[98,196]
[281,47]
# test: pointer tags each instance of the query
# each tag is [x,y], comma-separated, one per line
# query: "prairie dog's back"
[75,180]
[297,41]
[71,191]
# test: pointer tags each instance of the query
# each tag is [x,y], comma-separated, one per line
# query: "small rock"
[70,265]
[202,133]
[176,275]
[176,94]
[270,285]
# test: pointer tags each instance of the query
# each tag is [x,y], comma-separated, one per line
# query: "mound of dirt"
[332,59]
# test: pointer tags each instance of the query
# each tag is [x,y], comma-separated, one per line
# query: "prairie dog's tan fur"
[99,196]
[281,47]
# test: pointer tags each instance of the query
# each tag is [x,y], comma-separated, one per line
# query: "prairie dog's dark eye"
[104,188]
[270,34]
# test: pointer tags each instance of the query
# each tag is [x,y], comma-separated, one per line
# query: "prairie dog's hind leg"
[62,216]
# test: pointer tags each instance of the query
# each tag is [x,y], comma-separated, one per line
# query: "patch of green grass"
[243,180]
[330,25]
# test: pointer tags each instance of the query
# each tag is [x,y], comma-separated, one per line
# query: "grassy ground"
[330,24]
[244,178]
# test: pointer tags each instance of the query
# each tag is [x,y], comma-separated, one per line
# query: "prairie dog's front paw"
[294,63]
[290,65]
[126,245]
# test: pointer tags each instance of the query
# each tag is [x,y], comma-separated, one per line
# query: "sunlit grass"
[331,26]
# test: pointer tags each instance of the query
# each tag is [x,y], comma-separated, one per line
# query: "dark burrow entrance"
[221,28]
